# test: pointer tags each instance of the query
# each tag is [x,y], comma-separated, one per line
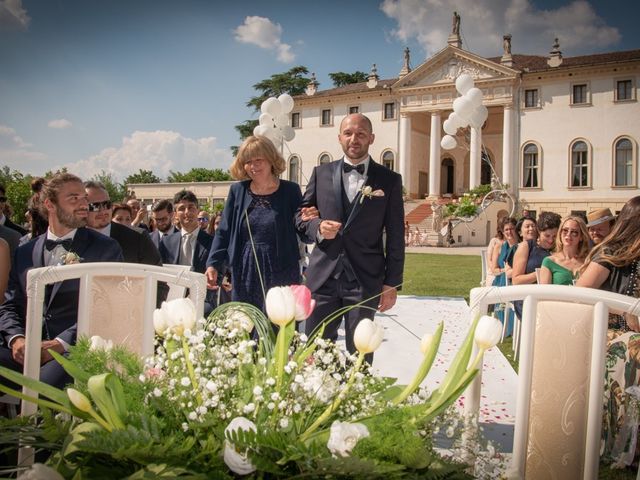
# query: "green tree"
[340,79]
[117,191]
[143,176]
[18,191]
[199,175]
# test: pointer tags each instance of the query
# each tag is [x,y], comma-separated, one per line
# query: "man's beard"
[69,220]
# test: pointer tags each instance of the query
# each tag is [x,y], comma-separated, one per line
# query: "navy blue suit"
[155,236]
[170,253]
[61,309]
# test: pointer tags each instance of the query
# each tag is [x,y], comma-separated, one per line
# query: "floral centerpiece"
[214,402]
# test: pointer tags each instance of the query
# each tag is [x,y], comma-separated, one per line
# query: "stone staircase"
[419,215]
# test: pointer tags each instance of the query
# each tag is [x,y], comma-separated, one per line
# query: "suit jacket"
[136,245]
[12,237]
[61,309]
[155,236]
[170,253]
[9,224]
[375,262]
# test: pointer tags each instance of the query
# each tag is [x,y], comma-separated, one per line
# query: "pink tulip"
[304,303]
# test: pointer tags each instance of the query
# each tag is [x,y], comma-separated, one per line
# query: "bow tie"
[51,244]
[346,168]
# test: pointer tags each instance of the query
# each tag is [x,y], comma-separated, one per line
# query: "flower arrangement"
[69,258]
[214,402]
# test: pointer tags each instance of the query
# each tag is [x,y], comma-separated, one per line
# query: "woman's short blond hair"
[256,146]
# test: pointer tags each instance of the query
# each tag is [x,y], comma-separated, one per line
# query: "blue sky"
[119,85]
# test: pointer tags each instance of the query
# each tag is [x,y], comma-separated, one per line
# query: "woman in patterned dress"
[613,265]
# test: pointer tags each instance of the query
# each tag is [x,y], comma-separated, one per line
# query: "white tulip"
[368,336]
[344,436]
[79,400]
[488,332]
[38,471]
[425,343]
[99,343]
[175,315]
[236,461]
[280,305]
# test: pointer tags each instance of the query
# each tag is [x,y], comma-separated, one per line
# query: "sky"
[123,85]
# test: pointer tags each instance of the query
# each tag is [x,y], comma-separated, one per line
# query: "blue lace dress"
[247,286]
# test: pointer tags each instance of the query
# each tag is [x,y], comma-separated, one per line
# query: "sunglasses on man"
[97,206]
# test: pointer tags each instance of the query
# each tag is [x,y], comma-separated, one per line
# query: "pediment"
[444,67]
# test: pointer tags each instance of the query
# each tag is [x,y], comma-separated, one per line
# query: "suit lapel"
[79,246]
[336,180]
[37,254]
[357,204]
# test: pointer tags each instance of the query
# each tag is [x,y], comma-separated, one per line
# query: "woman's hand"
[212,278]
[309,213]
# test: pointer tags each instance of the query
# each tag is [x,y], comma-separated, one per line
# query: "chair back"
[483,260]
[560,376]
[115,301]
[176,291]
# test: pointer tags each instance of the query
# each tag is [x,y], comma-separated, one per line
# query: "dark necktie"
[51,244]
[358,168]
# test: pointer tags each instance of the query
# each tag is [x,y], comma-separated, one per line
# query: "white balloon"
[288,133]
[474,95]
[456,120]
[261,130]
[479,115]
[448,142]
[463,107]
[449,127]
[265,119]
[282,120]
[286,102]
[463,83]
[271,105]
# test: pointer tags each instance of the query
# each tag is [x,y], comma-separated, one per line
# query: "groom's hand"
[329,229]
[388,298]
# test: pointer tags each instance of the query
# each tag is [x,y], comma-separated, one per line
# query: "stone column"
[434,156]
[474,157]
[404,154]
[507,146]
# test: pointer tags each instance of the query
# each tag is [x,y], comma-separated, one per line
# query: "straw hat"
[599,216]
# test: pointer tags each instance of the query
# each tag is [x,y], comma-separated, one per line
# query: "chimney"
[555,55]
[406,68]
[312,86]
[372,79]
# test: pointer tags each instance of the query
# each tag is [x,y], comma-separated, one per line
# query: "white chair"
[483,260]
[560,378]
[175,290]
[116,301]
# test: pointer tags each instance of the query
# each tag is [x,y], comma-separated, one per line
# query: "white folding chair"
[175,290]
[559,401]
[483,260]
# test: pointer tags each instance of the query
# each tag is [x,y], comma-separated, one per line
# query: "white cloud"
[13,16]
[60,123]
[265,34]
[484,22]
[159,151]
[18,154]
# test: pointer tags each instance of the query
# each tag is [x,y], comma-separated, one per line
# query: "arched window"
[388,159]
[294,169]
[580,164]
[530,166]
[324,158]
[624,163]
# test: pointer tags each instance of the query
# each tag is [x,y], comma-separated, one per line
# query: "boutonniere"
[69,258]
[367,191]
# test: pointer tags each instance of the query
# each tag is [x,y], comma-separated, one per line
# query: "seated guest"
[162,215]
[572,247]
[121,213]
[614,265]
[492,248]
[501,266]
[599,224]
[203,220]
[191,245]
[527,229]
[12,237]
[65,203]
[5,265]
[4,216]
[37,221]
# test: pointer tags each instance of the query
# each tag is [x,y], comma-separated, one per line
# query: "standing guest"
[502,262]
[614,265]
[256,238]
[407,234]
[572,247]
[139,213]
[599,224]
[5,266]
[4,218]
[351,262]
[190,245]
[65,203]
[493,250]
[37,221]
[121,213]
[215,223]
[162,214]
[203,220]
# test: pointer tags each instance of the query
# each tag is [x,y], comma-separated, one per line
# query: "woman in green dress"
[572,247]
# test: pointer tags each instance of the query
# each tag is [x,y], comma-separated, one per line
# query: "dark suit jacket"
[375,262]
[12,237]
[170,253]
[9,224]
[136,245]
[155,236]
[61,310]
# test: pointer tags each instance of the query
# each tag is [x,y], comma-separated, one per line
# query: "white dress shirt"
[353,181]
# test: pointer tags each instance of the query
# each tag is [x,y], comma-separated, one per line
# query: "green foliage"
[466,207]
[143,176]
[341,79]
[199,175]
[480,191]
[117,191]
[18,191]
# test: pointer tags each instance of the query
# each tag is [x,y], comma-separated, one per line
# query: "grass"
[440,275]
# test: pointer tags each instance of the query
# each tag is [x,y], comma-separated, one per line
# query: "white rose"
[236,461]
[344,436]
[99,343]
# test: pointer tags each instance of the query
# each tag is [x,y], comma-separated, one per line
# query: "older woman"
[572,247]
[256,237]
[614,265]
[527,229]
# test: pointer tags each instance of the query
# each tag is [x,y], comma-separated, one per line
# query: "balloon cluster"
[274,120]
[468,110]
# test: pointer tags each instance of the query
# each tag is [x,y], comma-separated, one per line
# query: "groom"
[358,201]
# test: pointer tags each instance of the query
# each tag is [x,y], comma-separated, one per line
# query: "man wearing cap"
[599,224]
